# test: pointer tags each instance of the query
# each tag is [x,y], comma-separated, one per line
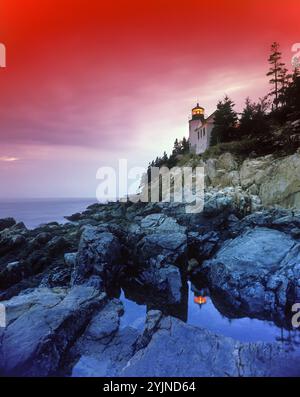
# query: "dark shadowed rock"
[99,253]
[74,217]
[159,256]
[202,246]
[57,245]
[12,273]
[6,223]
[42,238]
[164,247]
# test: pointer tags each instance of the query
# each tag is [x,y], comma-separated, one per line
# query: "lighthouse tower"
[199,130]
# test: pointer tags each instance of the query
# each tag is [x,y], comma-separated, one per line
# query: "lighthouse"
[200,130]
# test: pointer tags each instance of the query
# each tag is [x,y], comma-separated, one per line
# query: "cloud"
[8,159]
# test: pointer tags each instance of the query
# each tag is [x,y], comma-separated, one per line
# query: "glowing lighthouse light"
[197,111]
[200,300]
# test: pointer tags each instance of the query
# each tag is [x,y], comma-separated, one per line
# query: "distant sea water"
[34,212]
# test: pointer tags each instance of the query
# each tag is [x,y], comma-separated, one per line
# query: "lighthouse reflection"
[199,307]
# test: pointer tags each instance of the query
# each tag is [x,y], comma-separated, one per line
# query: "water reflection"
[151,300]
[203,313]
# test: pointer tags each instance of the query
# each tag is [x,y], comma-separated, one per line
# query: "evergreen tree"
[292,96]
[176,148]
[185,145]
[284,79]
[247,117]
[157,162]
[253,120]
[165,158]
[276,72]
[225,122]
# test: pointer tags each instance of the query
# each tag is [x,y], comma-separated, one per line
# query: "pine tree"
[247,117]
[185,145]
[225,122]
[292,96]
[176,148]
[276,72]
[284,79]
[253,120]
[165,158]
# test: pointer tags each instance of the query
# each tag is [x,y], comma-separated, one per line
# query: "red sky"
[89,82]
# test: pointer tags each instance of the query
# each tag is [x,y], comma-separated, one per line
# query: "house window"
[204,131]
[198,134]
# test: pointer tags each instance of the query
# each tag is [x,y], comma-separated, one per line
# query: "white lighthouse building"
[200,130]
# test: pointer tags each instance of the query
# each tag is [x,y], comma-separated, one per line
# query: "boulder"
[254,171]
[103,359]
[151,325]
[202,246]
[161,223]
[74,217]
[56,246]
[104,348]
[180,350]
[162,247]
[12,273]
[227,162]
[99,253]
[58,276]
[41,327]
[272,181]
[210,171]
[106,322]
[242,270]
[229,200]
[157,255]
[6,223]
[222,171]
[282,186]
[42,238]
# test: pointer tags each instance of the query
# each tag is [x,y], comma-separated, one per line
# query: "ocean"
[34,212]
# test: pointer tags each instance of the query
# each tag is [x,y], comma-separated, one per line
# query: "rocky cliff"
[61,284]
[269,181]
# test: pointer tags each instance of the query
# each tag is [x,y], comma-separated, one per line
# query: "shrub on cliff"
[225,122]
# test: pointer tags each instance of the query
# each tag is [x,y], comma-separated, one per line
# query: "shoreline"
[158,246]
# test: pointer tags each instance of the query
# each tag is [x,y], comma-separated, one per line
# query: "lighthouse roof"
[198,107]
